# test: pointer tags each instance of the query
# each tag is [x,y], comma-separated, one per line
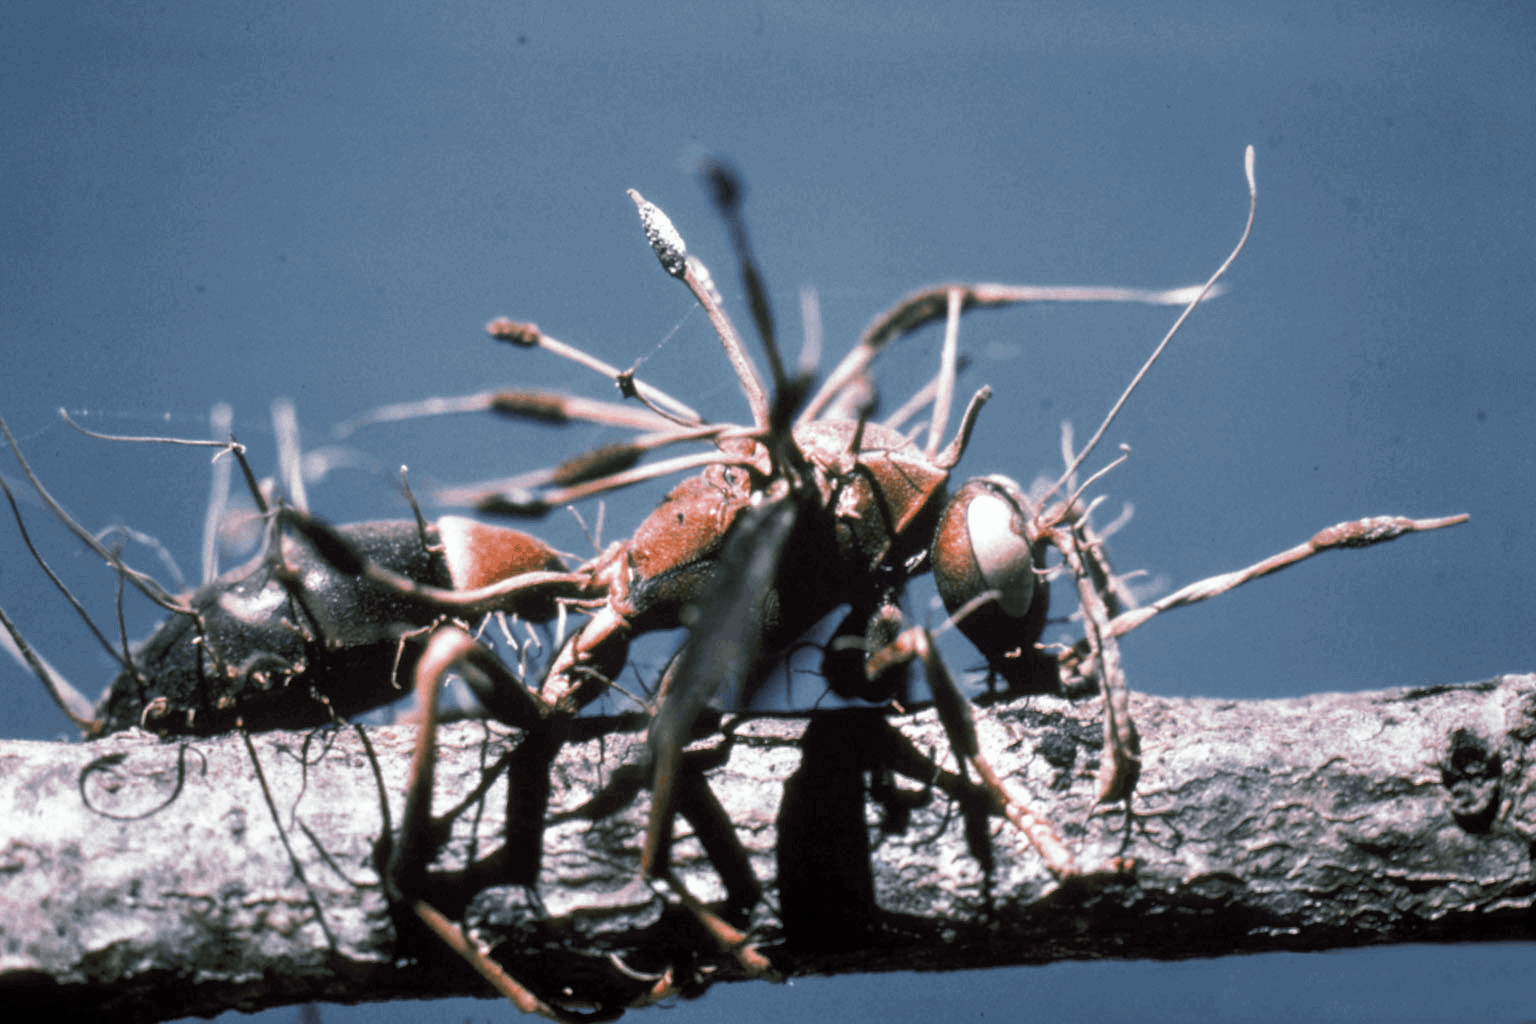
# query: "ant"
[813,507]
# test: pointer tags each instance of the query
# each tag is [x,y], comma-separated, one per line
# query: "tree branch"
[143,880]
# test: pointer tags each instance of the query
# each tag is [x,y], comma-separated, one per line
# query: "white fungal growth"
[665,241]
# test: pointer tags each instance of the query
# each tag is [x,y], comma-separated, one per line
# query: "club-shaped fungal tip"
[668,245]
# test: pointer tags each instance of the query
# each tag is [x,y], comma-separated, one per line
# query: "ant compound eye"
[1002,553]
[981,548]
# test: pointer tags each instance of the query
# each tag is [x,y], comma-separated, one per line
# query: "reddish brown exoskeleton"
[810,514]
[810,508]
[813,507]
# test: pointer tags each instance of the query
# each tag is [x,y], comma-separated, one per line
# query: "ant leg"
[691,796]
[955,712]
[697,803]
[723,647]
[1066,529]
[1119,770]
[405,874]
[454,938]
[730,939]
[928,304]
[686,791]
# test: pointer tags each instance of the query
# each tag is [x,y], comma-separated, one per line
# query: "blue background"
[212,201]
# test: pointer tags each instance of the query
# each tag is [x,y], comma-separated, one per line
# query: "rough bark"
[1325,821]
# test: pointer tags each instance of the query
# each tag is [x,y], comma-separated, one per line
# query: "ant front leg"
[955,713]
[989,557]
[689,795]
[721,655]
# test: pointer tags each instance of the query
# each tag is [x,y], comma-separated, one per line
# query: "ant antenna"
[1253,201]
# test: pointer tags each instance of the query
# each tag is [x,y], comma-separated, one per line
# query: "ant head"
[987,559]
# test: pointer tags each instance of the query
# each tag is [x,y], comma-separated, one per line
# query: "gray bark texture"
[144,880]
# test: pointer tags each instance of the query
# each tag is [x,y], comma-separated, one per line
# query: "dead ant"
[814,507]
[810,508]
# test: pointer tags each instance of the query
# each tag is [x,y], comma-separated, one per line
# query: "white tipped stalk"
[665,240]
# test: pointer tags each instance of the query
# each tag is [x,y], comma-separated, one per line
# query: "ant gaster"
[318,627]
